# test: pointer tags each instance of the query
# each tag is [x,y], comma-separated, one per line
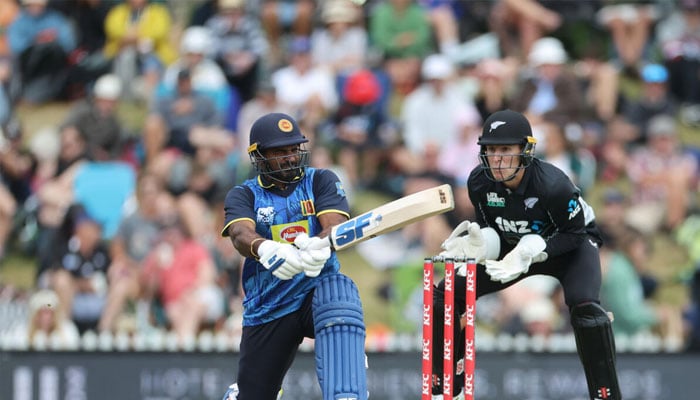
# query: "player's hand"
[314,252]
[529,249]
[280,258]
[479,244]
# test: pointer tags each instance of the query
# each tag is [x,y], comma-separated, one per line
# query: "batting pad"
[596,348]
[340,339]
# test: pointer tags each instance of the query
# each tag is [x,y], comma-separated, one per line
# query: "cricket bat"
[392,216]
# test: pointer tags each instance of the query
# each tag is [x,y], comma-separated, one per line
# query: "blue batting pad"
[340,339]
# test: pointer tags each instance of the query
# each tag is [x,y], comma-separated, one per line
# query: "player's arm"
[570,215]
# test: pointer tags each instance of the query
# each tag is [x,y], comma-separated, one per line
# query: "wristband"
[252,251]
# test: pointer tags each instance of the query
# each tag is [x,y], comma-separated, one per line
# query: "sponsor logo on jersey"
[530,202]
[506,225]
[307,208]
[492,200]
[286,233]
[573,208]
[265,215]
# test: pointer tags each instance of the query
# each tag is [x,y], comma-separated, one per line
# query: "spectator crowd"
[123,222]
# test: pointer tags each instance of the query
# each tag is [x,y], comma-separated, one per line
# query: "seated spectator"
[655,99]
[631,25]
[428,114]
[196,52]
[663,176]
[401,32]
[47,325]
[340,44]
[551,91]
[88,59]
[40,41]
[78,272]
[16,168]
[240,45]
[138,40]
[360,130]
[264,102]
[97,122]
[172,121]
[678,37]
[611,216]
[622,292]
[138,233]
[557,148]
[520,23]
[180,274]
[304,86]
[280,17]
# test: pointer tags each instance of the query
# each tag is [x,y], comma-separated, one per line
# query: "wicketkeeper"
[530,220]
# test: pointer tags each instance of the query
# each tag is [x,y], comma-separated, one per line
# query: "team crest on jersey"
[573,208]
[339,189]
[530,202]
[307,208]
[265,215]
[492,200]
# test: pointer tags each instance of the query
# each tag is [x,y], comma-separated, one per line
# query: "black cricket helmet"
[276,130]
[507,127]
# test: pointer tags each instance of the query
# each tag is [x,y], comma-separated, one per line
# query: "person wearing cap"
[654,99]
[428,114]
[551,91]
[96,120]
[663,177]
[240,45]
[279,221]
[340,44]
[530,220]
[47,326]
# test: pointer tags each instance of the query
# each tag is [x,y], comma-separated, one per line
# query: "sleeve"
[329,193]
[238,205]
[18,35]
[567,211]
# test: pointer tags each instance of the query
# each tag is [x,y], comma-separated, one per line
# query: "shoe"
[232,393]
[460,396]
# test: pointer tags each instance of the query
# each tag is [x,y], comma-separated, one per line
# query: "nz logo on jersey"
[492,200]
[573,208]
[266,215]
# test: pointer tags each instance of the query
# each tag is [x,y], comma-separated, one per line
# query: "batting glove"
[530,249]
[314,252]
[280,258]
[479,244]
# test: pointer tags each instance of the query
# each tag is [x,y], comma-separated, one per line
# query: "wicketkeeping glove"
[280,258]
[314,252]
[479,244]
[530,249]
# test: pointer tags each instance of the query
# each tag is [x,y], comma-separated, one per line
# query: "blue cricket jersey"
[281,217]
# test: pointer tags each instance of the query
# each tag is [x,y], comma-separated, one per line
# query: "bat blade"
[392,216]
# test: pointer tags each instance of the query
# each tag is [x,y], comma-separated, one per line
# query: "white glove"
[314,252]
[529,249]
[479,244]
[280,258]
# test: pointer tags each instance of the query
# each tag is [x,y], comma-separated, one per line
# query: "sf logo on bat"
[355,228]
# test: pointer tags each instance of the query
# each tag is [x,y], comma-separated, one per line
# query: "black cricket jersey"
[546,203]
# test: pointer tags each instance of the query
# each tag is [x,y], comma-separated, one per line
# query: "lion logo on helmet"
[285,125]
